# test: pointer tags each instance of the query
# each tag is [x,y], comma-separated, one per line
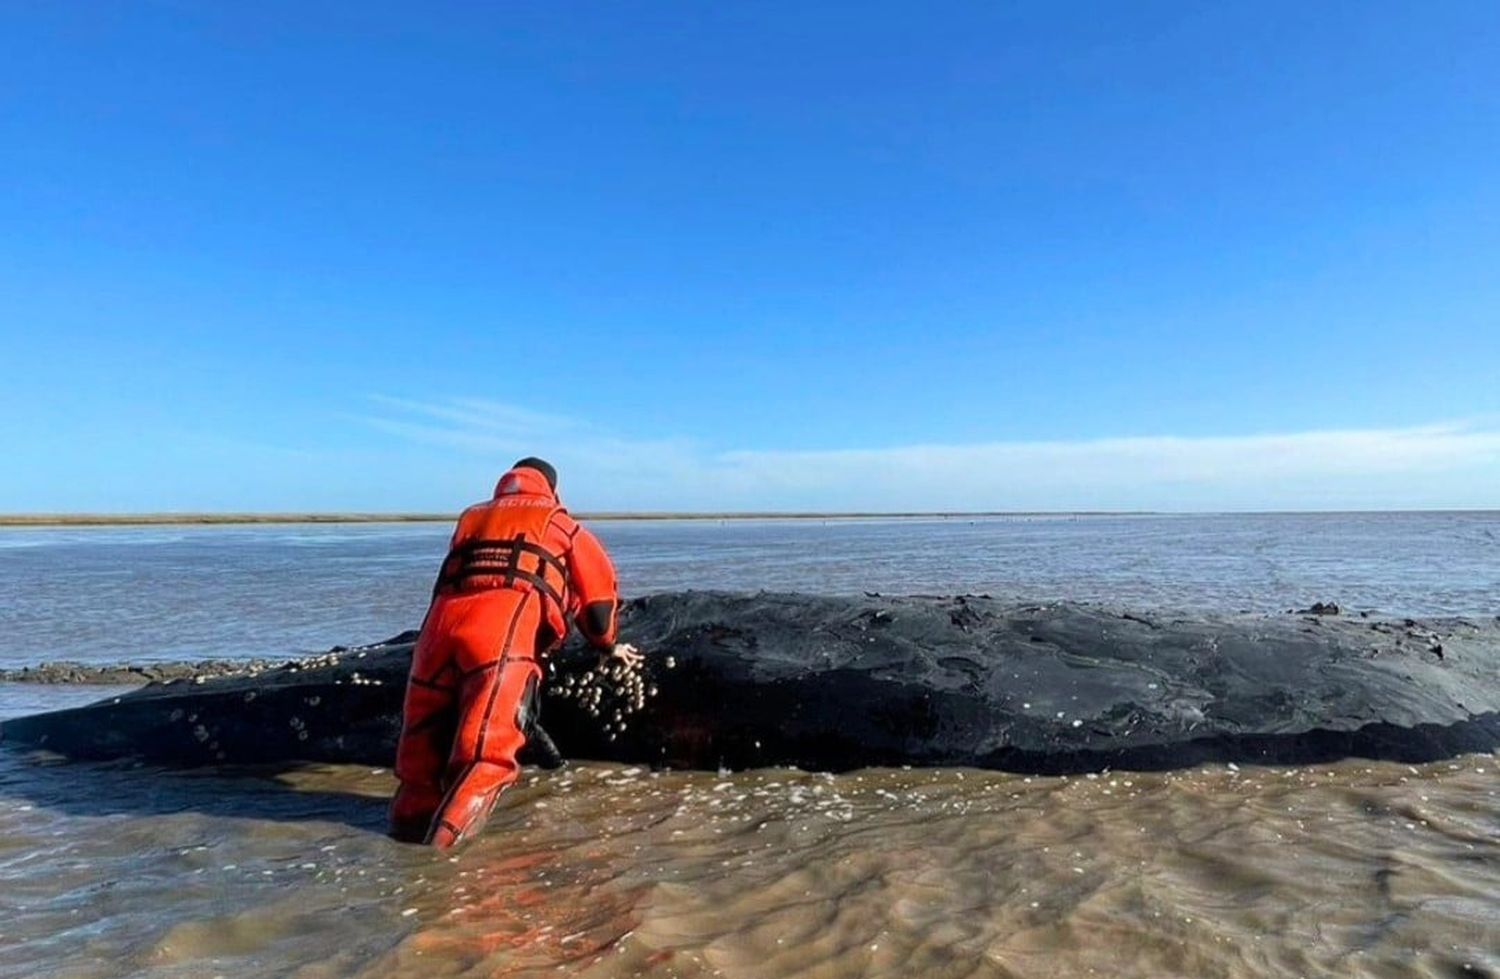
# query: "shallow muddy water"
[1346,870]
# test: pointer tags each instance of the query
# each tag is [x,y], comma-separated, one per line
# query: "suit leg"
[494,697]
[429,720]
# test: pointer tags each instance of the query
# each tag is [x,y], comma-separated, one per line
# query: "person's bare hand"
[626,654]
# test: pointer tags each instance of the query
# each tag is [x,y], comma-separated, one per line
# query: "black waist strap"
[501,559]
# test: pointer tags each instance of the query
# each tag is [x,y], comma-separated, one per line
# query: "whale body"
[736,681]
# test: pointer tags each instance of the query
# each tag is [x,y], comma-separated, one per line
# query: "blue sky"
[283,256]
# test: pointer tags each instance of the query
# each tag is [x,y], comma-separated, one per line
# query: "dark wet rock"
[1321,608]
[740,681]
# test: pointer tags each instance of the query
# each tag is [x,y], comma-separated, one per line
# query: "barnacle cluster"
[612,692]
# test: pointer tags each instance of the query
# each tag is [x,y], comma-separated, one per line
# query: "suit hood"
[524,482]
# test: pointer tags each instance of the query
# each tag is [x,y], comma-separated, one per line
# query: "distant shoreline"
[212,519]
[84,520]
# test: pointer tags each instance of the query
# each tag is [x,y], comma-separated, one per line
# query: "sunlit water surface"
[1354,869]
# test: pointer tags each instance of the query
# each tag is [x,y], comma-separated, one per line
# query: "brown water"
[1354,869]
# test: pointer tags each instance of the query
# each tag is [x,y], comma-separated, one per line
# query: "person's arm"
[453,542]
[595,590]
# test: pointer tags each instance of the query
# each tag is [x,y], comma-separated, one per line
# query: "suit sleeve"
[596,590]
[453,542]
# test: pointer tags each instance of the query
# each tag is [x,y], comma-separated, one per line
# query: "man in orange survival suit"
[518,569]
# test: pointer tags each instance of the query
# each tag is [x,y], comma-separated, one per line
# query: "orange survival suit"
[518,569]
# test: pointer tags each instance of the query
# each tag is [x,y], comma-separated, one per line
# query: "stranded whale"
[830,683]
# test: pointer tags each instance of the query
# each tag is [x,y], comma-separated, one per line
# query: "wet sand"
[129,674]
[1352,869]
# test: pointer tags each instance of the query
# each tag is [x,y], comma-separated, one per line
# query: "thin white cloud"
[1447,464]
[481,415]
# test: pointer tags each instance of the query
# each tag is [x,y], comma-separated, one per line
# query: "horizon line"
[166,518]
